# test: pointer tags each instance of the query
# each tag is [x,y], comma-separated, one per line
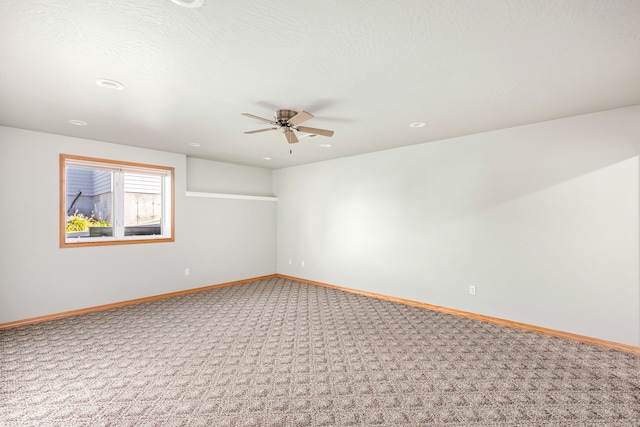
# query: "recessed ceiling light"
[110,84]
[78,123]
[194,144]
[267,158]
[417,124]
[325,145]
[189,3]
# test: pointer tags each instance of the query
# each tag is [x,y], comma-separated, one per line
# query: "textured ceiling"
[365,68]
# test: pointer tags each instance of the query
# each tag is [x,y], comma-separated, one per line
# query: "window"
[105,202]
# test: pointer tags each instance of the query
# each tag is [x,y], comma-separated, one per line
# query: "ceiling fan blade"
[302,116]
[291,137]
[260,130]
[315,131]
[259,118]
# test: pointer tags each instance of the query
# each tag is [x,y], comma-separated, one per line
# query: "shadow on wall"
[542,218]
[455,178]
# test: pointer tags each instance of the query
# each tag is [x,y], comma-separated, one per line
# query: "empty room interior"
[320,213]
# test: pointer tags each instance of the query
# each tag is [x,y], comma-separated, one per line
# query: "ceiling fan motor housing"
[283,116]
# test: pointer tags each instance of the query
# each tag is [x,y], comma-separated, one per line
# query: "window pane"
[142,204]
[106,202]
[88,202]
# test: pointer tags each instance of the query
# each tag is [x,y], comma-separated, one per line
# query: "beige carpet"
[282,353]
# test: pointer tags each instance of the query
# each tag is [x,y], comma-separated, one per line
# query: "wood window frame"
[169,206]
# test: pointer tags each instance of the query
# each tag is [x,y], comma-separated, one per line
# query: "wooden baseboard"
[71,313]
[518,325]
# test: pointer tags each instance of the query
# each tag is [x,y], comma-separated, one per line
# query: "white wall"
[542,219]
[220,240]
[217,177]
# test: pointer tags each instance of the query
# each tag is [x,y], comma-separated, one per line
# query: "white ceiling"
[365,68]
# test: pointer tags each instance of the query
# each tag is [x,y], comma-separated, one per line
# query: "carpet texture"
[282,353]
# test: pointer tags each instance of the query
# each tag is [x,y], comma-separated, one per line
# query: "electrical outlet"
[472,290]
[186,272]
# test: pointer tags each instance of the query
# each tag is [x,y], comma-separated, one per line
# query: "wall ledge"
[229,196]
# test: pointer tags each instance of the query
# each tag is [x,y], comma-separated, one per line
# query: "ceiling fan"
[287,121]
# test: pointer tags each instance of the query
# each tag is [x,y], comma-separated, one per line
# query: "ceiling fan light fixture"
[110,84]
[192,4]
